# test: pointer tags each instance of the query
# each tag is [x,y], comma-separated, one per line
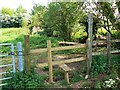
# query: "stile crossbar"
[2,56]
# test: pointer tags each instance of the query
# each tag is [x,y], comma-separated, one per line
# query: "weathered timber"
[27,52]
[69,47]
[90,31]
[38,51]
[66,69]
[105,52]
[108,49]
[50,61]
[62,61]
[67,43]
[116,40]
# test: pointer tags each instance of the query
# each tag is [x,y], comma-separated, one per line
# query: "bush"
[11,21]
[99,65]
[25,80]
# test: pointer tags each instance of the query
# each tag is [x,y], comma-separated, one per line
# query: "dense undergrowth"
[25,80]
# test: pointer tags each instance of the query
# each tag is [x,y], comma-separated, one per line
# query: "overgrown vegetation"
[25,80]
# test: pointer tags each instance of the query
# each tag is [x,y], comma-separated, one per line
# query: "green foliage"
[46,68]
[62,16]
[24,22]
[63,82]
[79,32]
[86,84]
[37,41]
[99,65]
[76,76]
[98,84]
[25,80]
[11,18]
[7,11]
[21,10]
[58,73]
[103,32]
[108,10]
[11,21]
[15,35]
[38,11]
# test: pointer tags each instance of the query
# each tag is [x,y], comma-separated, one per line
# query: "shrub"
[25,80]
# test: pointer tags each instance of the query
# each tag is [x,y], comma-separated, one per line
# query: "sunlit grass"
[8,34]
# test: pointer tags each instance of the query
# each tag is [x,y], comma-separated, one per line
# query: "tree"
[7,11]
[20,10]
[38,11]
[62,16]
[108,13]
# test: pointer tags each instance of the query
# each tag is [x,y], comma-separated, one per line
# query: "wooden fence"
[50,49]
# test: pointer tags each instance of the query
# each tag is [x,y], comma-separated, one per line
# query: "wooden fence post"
[27,52]
[50,61]
[89,41]
[87,60]
[108,49]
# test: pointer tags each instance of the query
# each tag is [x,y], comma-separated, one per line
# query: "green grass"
[10,34]
[14,35]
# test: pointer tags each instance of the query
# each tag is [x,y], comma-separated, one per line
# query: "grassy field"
[10,34]
[14,35]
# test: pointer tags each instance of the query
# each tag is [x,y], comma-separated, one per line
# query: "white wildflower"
[118,78]
[106,81]
[113,81]
[110,79]
[108,85]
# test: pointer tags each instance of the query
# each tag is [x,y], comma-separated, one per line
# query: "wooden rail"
[104,41]
[99,43]
[105,52]
[38,51]
[62,61]
[69,47]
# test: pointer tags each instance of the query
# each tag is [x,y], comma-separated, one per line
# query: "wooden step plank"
[65,67]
